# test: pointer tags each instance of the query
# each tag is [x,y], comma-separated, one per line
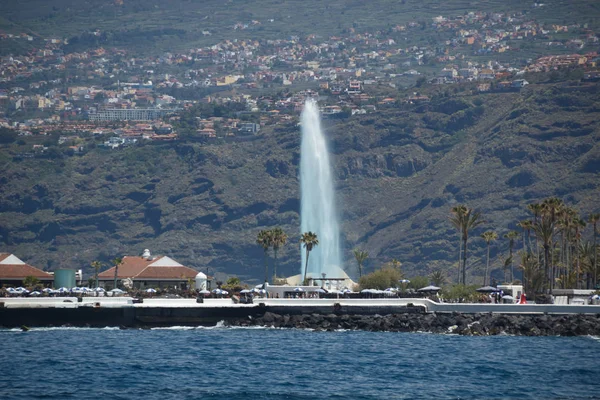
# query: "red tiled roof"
[139,268]
[20,271]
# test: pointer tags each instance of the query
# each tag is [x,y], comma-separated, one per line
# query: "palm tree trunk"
[459,259]
[116,274]
[595,256]
[487,266]
[266,266]
[577,266]
[512,278]
[548,269]
[464,270]
[275,263]
[306,266]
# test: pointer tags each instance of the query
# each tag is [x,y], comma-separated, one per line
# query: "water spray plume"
[318,211]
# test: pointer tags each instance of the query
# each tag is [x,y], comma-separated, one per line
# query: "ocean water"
[227,363]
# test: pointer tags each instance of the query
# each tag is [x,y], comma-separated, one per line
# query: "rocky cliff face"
[399,171]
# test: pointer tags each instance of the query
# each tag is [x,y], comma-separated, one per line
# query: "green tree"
[461,293]
[96,265]
[116,262]
[360,257]
[511,236]
[265,241]
[278,239]
[533,278]
[465,219]
[489,237]
[309,240]
[417,282]
[381,279]
[30,281]
[233,283]
[438,278]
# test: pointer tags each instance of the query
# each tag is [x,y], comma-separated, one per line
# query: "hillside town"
[128,98]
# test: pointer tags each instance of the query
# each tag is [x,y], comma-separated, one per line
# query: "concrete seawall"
[123,311]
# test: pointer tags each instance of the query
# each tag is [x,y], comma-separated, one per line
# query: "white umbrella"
[116,291]
[404,281]
[507,297]
[204,291]
[244,291]
[76,290]
[217,291]
[224,292]
[298,289]
[34,293]
[62,290]
[99,289]
[262,291]
[150,290]
[11,290]
[429,289]
[47,290]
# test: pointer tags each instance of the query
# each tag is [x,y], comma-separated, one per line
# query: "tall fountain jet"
[318,212]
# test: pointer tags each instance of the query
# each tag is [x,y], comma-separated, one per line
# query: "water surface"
[224,363]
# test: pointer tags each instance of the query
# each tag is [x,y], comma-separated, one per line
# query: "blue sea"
[228,363]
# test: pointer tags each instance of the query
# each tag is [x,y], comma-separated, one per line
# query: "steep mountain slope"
[398,170]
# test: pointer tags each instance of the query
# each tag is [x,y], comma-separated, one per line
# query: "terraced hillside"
[399,171]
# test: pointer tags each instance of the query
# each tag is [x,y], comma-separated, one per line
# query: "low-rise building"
[13,271]
[148,271]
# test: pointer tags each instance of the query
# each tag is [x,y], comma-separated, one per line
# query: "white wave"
[61,328]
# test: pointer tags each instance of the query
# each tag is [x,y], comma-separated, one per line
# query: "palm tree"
[526,225]
[532,278]
[536,210]
[544,231]
[360,257]
[309,240]
[489,237]
[458,213]
[96,265]
[263,239]
[116,262]
[511,236]
[471,219]
[586,260]
[438,278]
[279,239]
[579,224]
[593,219]
[550,209]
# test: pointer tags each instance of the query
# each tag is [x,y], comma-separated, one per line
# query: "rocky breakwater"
[455,323]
